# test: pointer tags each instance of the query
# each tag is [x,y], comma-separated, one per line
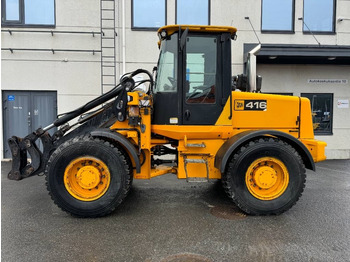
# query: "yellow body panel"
[134,98]
[316,148]
[205,154]
[306,126]
[145,168]
[224,118]
[281,111]
[193,132]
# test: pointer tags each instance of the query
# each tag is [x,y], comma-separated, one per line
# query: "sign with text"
[328,81]
[343,103]
[250,105]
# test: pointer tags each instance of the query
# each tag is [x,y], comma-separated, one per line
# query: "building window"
[277,15]
[319,16]
[148,14]
[322,112]
[193,12]
[28,12]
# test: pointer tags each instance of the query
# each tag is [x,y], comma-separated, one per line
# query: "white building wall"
[76,76]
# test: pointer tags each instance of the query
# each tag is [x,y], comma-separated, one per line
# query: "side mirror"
[240,82]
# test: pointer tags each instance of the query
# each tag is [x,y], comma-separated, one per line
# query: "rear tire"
[265,176]
[88,177]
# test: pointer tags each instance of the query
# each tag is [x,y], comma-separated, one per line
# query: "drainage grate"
[227,212]
[186,257]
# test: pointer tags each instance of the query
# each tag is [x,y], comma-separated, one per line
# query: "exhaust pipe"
[252,83]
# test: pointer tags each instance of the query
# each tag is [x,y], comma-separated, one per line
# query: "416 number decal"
[250,105]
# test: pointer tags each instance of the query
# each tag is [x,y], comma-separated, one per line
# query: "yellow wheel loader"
[195,120]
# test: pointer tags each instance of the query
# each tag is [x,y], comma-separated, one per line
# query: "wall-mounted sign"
[328,81]
[11,98]
[343,103]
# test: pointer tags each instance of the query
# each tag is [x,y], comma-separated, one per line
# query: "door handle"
[187,114]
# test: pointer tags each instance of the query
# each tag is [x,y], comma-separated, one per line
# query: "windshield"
[166,80]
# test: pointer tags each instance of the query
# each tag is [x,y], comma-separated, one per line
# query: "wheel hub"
[265,177]
[88,177]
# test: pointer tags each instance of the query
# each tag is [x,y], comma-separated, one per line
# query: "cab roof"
[171,29]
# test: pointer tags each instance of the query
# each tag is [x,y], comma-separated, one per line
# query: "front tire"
[88,177]
[265,176]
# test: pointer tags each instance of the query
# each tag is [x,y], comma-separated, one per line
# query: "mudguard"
[110,135]
[233,143]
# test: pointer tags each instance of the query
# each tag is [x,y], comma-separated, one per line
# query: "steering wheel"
[196,94]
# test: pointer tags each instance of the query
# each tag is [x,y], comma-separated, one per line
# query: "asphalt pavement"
[166,219]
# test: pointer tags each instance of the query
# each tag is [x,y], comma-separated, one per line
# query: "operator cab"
[193,79]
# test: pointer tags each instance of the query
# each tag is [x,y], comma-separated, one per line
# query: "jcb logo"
[239,105]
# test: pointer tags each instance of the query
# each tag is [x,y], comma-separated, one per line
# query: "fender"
[233,143]
[106,133]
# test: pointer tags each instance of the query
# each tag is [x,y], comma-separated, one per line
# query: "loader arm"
[24,148]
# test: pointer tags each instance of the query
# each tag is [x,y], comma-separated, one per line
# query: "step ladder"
[108,39]
[202,160]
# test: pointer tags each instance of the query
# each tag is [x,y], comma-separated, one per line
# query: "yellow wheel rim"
[87,178]
[267,178]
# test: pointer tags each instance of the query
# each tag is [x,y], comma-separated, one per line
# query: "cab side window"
[201,67]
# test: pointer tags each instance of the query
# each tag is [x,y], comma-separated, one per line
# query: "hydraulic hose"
[92,104]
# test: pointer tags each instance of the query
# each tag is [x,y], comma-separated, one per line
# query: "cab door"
[202,85]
